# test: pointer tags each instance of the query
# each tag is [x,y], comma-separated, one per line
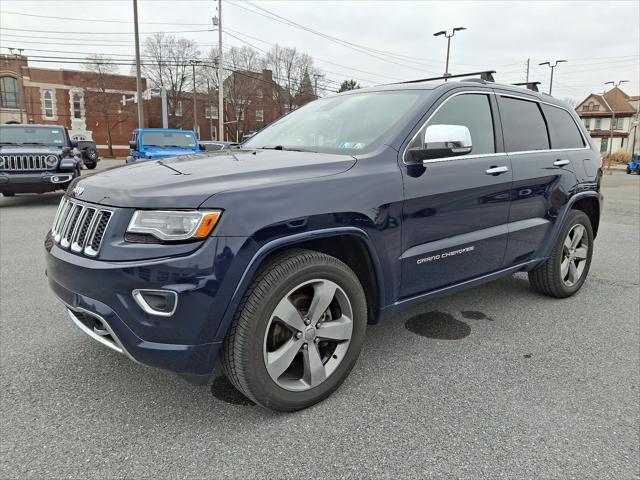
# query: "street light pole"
[195,113]
[613,120]
[138,73]
[555,64]
[448,37]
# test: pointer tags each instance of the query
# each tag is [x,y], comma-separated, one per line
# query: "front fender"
[278,244]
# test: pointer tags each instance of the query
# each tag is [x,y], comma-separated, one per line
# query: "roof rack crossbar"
[533,86]
[486,75]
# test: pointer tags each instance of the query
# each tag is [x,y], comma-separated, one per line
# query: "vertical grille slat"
[79,227]
[24,162]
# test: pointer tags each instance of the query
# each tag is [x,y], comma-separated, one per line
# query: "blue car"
[155,143]
[271,260]
[634,165]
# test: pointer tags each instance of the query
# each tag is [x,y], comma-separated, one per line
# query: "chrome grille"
[79,227]
[24,162]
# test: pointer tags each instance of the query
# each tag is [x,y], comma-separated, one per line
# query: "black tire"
[243,358]
[90,165]
[90,154]
[546,278]
[628,171]
[8,194]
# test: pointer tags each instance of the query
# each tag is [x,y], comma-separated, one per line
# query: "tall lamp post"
[138,73]
[613,121]
[448,37]
[552,66]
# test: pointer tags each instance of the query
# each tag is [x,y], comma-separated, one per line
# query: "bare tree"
[100,98]
[167,63]
[291,69]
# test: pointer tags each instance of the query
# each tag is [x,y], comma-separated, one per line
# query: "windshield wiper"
[8,143]
[280,147]
[33,143]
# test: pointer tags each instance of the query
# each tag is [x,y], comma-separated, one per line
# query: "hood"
[30,150]
[187,181]
[161,152]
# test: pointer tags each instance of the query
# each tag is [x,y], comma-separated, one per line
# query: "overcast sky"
[600,40]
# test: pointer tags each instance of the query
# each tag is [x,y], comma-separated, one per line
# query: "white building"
[598,112]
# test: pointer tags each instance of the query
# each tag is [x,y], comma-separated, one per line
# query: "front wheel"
[90,165]
[298,331]
[564,272]
[628,171]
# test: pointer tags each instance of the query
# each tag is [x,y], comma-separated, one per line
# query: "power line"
[102,33]
[48,17]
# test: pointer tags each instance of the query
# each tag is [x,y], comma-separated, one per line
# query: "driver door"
[456,208]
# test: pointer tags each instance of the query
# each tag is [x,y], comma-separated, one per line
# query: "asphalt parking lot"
[494,382]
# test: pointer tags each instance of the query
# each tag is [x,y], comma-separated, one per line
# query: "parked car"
[155,143]
[272,259]
[634,165]
[36,159]
[214,145]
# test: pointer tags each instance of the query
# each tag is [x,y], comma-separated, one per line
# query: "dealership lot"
[494,382]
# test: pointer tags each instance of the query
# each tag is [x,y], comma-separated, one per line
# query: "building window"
[76,101]
[587,123]
[598,123]
[259,93]
[178,109]
[275,96]
[211,112]
[259,115]
[604,144]
[48,107]
[9,92]
[595,108]
[214,133]
[619,125]
[239,113]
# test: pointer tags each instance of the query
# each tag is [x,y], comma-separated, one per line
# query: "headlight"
[52,160]
[174,225]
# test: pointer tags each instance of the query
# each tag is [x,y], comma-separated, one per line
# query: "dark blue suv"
[272,259]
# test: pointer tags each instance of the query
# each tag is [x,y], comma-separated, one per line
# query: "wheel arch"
[349,244]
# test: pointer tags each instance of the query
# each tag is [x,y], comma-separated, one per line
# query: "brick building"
[90,106]
[86,103]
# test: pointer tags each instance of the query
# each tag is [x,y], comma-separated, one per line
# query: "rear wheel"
[298,331]
[566,269]
[628,170]
[8,194]
[90,165]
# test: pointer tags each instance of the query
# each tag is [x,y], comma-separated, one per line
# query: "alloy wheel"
[308,335]
[575,251]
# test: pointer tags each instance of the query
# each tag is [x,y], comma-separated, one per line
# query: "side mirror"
[133,145]
[442,141]
[73,143]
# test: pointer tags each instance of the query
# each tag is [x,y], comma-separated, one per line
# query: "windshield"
[169,139]
[342,124]
[32,136]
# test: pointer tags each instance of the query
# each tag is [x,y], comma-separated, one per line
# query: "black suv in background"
[36,159]
[271,259]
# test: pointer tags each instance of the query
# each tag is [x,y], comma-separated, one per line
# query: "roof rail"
[533,86]
[486,75]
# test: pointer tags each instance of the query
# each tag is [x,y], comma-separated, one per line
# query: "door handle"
[496,170]
[561,163]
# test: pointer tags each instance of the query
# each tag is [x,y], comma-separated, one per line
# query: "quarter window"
[523,125]
[563,130]
[469,110]
[9,92]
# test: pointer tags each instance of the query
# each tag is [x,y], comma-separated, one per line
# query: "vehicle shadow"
[31,199]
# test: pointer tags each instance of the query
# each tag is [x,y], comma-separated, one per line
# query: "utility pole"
[555,64]
[315,83]
[448,37]
[528,66]
[613,120]
[195,113]
[220,82]
[17,54]
[138,73]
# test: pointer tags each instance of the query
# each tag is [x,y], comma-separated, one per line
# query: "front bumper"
[186,342]
[34,182]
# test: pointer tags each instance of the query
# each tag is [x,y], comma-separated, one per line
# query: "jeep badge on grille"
[77,190]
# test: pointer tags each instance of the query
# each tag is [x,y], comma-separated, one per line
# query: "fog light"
[156,302]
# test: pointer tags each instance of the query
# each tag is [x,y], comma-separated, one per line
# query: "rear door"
[455,214]
[543,178]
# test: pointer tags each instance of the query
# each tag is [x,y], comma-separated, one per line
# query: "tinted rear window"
[523,125]
[563,130]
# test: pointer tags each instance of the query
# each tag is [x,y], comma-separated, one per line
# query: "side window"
[563,130]
[472,111]
[523,125]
